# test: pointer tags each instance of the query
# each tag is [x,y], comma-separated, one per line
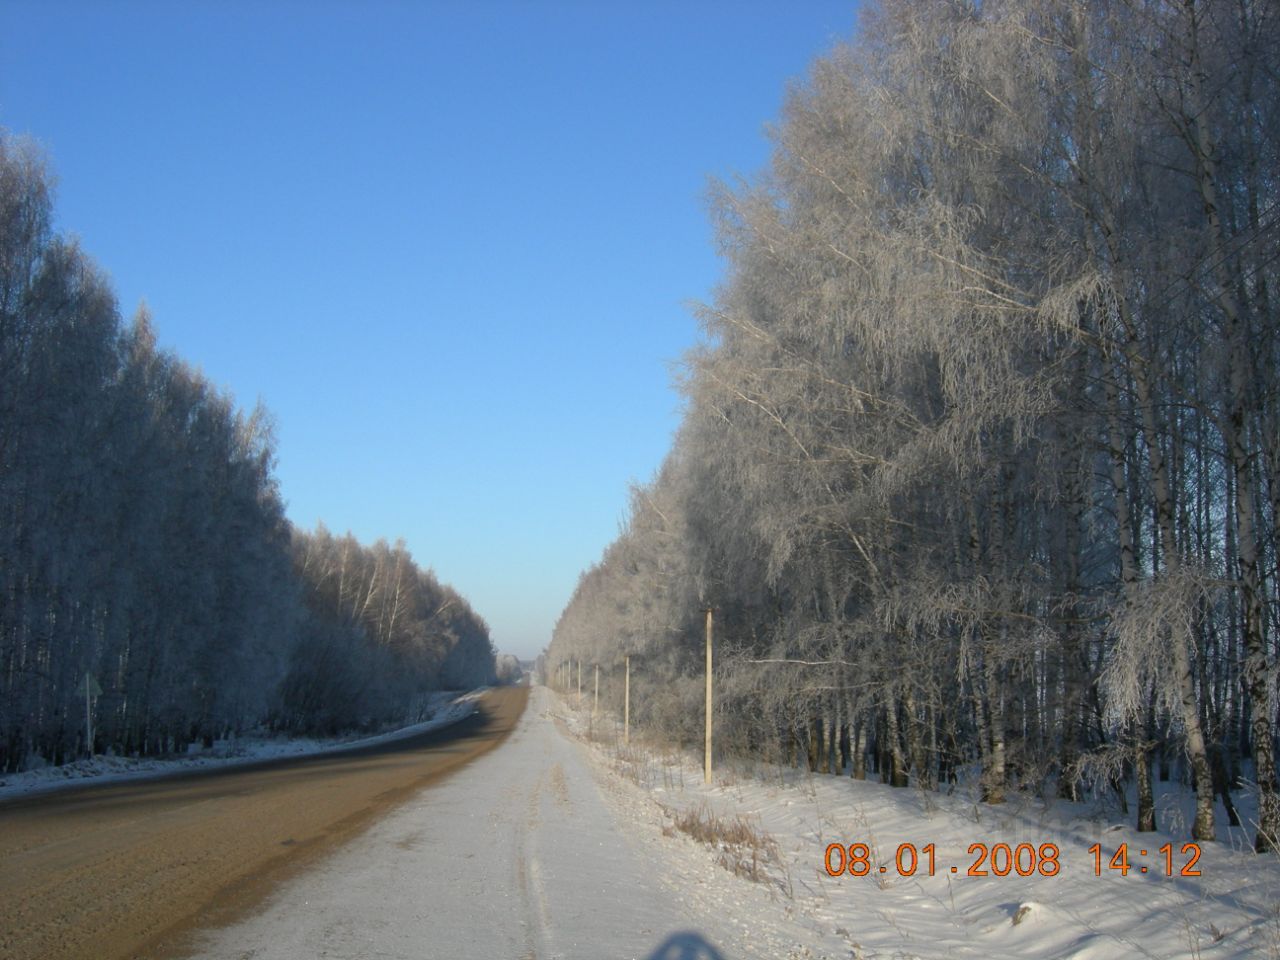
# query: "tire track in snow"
[532,903]
[517,855]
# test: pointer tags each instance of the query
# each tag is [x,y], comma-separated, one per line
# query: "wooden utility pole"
[706,764]
[579,681]
[626,703]
[595,707]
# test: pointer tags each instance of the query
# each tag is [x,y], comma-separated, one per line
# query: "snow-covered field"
[794,909]
[445,707]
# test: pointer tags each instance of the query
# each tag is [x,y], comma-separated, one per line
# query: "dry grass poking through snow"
[771,825]
[744,849]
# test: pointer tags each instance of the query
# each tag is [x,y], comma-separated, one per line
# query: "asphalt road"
[130,870]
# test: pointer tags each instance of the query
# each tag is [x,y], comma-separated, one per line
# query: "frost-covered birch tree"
[979,459]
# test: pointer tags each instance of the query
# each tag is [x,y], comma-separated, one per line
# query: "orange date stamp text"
[1002,860]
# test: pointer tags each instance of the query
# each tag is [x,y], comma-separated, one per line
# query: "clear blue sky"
[451,246]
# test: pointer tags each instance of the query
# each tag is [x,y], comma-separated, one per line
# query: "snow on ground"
[516,855]
[444,708]
[563,844]
[794,909]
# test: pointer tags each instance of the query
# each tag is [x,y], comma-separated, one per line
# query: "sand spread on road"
[128,870]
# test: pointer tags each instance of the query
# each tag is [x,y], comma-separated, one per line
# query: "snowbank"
[751,846]
[446,707]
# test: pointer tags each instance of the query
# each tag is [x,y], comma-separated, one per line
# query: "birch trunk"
[859,749]
[1256,665]
[893,736]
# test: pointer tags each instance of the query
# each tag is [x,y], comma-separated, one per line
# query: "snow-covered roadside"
[446,707]
[796,910]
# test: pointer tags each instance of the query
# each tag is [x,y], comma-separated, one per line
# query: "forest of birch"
[152,592]
[979,469]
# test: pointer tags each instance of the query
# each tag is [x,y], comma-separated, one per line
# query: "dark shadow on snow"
[685,945]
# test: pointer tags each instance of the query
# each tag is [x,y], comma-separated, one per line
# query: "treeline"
[980,466]
[148,576]
[383,633]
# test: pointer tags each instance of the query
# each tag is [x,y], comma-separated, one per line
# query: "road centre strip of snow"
[516,855]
